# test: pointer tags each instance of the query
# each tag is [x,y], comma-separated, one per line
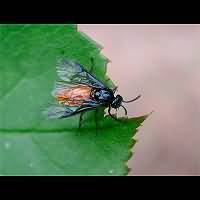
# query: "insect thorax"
[102,95]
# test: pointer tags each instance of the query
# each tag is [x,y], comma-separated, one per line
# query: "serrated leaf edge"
[131,144]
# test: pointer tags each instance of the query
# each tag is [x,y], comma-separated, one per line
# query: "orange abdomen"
[73,96]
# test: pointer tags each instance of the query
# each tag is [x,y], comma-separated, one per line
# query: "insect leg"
[115,89]
[80,120]
[109,109]
[86,106]
[95,117]
[92,65]
[124,109]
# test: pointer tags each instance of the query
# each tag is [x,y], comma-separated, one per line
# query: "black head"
[117,102]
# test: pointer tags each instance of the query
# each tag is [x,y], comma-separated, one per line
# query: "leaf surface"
[30,144]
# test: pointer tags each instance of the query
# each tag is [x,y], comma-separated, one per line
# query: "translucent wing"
[60,111]
[57,111]
[73,88]
[73,73]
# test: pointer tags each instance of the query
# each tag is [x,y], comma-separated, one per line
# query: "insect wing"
[71,74]
[74,73]
[57,111]
[61,111]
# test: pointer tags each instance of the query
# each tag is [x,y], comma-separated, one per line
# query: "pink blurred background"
[162,63]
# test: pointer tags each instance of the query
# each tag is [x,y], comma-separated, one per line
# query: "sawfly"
[77,91]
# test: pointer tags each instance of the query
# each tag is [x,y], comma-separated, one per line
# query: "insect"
[77,90]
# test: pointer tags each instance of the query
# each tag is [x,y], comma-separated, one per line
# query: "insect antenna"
[124,109]
[132,99]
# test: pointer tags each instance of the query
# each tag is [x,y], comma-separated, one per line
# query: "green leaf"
[30,144]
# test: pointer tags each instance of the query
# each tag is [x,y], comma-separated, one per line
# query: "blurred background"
[162,63]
